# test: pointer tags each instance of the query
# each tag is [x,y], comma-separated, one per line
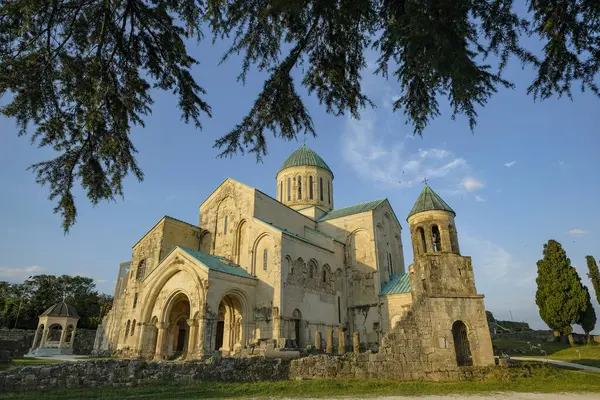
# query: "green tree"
[587,320]
[560,296]
[43,291]
[594,275]
[81,72]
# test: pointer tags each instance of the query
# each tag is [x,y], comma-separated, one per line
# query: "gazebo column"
[63,334]
[44,337]
[72,341]
[35,338]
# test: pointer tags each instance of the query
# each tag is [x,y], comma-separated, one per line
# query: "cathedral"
[287,271]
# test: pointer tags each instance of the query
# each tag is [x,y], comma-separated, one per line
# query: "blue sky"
[527,174]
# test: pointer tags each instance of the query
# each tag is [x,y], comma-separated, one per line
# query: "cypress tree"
[587,319]
[594,275]
[560,296]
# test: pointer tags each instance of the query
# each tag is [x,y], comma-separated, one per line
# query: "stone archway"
[461,344]
[177,337]
[230,332]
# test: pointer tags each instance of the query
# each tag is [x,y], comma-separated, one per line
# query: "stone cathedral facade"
[288,270]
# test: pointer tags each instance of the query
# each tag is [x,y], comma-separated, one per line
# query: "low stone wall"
[122,373]
[16,342]
[84,341]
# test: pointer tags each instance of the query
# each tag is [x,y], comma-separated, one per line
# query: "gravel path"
[557,362]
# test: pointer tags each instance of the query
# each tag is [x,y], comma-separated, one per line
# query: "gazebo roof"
[61,309]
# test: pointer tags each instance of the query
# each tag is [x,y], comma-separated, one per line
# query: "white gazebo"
[56,329]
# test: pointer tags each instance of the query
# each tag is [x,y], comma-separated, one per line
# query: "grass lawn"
[529,378]
[549,347]
[585,355]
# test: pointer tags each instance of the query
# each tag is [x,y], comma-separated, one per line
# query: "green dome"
[429,201]
[304,156]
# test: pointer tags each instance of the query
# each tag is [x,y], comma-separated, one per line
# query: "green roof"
[397,285]
[304,156]
[217,263]
[355,209]
[428,201]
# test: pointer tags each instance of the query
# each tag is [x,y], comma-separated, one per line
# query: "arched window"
[321,188]
[289,189]
[390,269]
[135,299]
[141,270]
[421,235]
[225,225]
[436,238]
[281,191]
[328,192]
[133,328]
[324,275]
[339,311]
[311,272]
[299,188]
[461,344]
[265,259]
[127,328]
[310,187]
[290,268]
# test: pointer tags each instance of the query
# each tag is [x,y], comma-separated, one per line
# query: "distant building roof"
[61,309]
[428,201]
[351,210]
[398,284]
[304,156]
[217,263]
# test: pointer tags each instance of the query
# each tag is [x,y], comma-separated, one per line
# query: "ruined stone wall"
[122,373]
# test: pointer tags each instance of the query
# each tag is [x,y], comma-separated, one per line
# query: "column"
[73,338]
[35,338]
[318,340]
[159,353]
[329,343]
[63,334]
[341,342]
[356,342]
[200,346]
[44,337]
[193,324]
[428,238]
[445,238]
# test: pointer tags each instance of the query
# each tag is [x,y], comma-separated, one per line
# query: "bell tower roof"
[429,201]
[304,156]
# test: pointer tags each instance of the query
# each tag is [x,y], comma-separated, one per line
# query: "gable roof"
[398,284]
[351,210]
[428,201]
[218,263]
[304,156]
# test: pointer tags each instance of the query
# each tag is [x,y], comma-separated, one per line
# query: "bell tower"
[443,285]
[439,268]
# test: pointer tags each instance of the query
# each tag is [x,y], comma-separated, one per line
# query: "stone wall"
[19,341]
[121,373]
[16,341]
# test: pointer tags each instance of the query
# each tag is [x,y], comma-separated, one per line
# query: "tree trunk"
[571,341]
[588,338]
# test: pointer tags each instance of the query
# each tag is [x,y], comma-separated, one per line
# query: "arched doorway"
[461,344]
[297,318]
[177,314]
[229,329]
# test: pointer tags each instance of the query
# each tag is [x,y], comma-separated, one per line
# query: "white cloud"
[510,164]
[479,198]
[16,275]
[578,232]
[471,184]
